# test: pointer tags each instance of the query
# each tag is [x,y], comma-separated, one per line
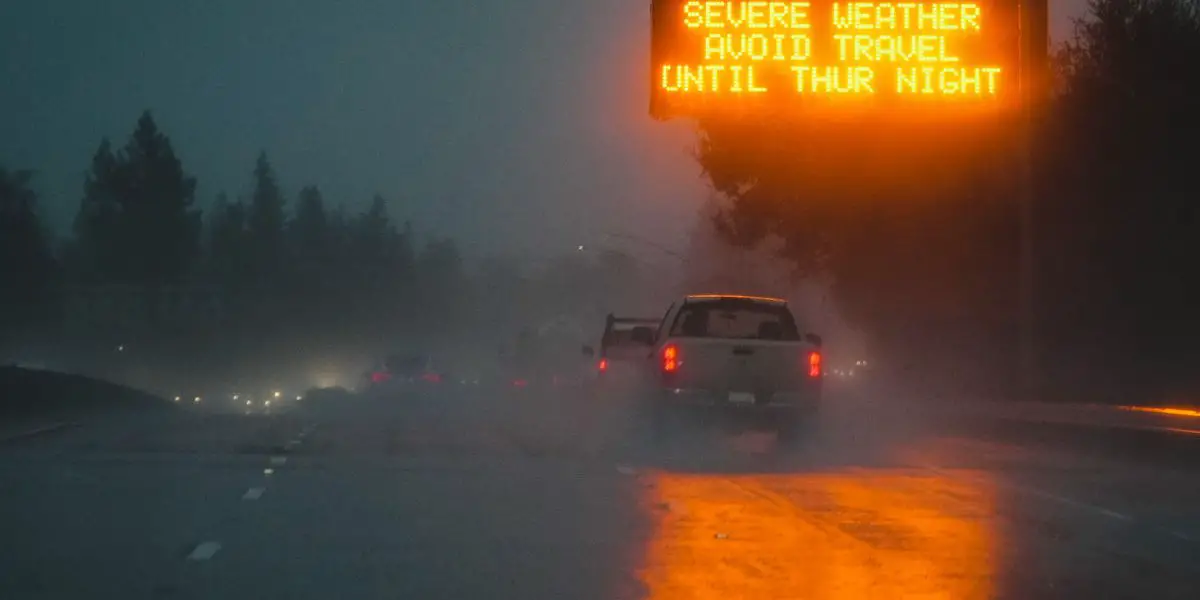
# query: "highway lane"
[481,494]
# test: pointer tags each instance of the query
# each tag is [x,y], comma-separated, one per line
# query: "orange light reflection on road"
[839,535]
[1163,410]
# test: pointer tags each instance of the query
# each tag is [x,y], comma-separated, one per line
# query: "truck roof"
[717,297]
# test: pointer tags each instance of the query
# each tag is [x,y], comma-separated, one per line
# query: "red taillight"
[380,377]
[814,364]
[603,365]
[432,377]
[670,358]
[520,383]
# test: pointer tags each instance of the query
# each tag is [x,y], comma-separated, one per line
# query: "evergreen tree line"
[281,267]
[923,244]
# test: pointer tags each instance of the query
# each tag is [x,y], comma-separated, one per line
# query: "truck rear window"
[736,319]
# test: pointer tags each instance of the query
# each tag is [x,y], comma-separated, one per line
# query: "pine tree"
[266,220]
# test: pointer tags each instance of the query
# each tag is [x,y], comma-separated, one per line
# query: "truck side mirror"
[589,351]
[813,339]
[642,335]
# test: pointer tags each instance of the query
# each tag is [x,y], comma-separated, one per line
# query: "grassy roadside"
[30,394]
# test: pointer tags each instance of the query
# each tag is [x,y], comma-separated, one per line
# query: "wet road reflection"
[845,534]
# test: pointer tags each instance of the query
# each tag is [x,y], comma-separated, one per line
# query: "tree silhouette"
[163,227]
[373,233]
[310,227]
[441,260]
[1118,220]
[266,220]
[97,225]
[26,262]
[136,219]
[228,242]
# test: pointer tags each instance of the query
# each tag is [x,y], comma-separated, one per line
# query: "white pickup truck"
[740,354]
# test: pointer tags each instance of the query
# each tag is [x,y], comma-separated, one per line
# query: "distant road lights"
[177,398]
[235,397]
[299,397]
[196,399]
[278,394]
[267,403]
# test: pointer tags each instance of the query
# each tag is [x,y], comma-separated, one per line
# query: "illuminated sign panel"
[780,55]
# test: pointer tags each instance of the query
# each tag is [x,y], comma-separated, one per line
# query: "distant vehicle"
[547,356]
[403,370]
[742,355]
[620,353]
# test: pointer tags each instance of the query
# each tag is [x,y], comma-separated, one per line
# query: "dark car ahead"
[403,371]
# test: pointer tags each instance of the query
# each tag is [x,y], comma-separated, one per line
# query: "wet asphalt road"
[478,494]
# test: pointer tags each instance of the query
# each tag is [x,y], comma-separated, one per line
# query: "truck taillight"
[670,358]
[603,365]
[814,364]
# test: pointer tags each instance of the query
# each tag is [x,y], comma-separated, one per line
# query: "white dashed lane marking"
[278,460]
[1181,535]
[253,493]
[205,551]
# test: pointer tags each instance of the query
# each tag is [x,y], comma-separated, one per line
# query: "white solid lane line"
[253,493]
[204,551]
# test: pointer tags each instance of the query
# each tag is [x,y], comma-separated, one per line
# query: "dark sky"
[509,125]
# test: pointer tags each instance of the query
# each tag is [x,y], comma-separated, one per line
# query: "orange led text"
[774,47]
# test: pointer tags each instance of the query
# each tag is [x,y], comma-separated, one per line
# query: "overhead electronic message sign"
[773,55]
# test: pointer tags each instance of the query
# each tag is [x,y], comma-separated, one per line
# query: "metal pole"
[1028,362]
[1033,42]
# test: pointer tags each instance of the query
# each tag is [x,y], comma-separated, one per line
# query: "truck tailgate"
[740,365]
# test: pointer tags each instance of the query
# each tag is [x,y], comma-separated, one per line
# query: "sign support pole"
[1033,42]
